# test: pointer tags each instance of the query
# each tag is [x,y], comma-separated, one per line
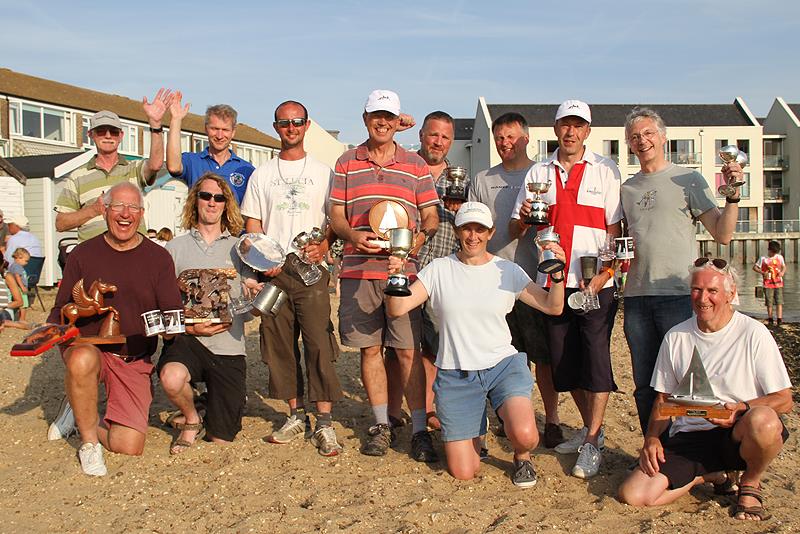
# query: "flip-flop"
[760,511]
[184,444]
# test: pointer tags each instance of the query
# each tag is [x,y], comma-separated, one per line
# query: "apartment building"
[781,151]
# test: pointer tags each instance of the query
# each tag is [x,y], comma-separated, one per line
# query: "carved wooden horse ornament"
[89,303]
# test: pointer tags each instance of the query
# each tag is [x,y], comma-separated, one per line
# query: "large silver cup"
[308,272]
[401,241]
[457,183]
[548,263]
[539,208]
[729,154]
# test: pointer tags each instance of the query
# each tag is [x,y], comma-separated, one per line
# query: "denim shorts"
[461,395]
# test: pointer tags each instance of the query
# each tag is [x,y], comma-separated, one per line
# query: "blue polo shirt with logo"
[236,170]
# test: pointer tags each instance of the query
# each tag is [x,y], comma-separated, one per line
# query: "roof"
[464,129]
[795,109]
[41,166]
[614,114]
[47,91]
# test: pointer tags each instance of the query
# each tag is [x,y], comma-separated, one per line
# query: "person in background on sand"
[772,268]
[10,300]
[21,257]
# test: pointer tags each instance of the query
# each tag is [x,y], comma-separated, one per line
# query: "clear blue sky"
[330,54]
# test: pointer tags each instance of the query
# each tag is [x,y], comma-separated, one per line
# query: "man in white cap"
[21,237]
[585,208]
[380,169]
[79,205]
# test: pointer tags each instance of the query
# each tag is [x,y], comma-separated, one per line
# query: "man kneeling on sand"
[746,371]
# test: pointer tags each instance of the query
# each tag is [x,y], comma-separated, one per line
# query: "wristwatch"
[160,129]
[731,200]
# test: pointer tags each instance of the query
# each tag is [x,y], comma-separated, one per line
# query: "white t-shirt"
[471,303]
[742,361]
[599,189]
[288,199]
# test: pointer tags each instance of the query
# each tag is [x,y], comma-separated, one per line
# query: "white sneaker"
[91,456]
[573,444]
[64,425]
[588,463]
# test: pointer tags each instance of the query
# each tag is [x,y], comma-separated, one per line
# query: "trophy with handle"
[401,241]
[309,272]
[729,154]
[548,263]
[456,184]
[384,216]
[694,396]
[539,208]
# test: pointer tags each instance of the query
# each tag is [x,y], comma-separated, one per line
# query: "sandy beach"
[255,486]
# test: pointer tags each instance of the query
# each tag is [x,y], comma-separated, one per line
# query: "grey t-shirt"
[498,189]
[190,251]
[661,210]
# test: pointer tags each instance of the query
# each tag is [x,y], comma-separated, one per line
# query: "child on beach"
[772,267]
[21,258]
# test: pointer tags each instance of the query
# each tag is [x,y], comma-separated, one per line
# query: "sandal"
[746,490]
[181,445]
[729,486]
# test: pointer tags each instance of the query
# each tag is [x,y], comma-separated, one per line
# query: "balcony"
[776,193]
[776,162]
[764,227]
[693,159]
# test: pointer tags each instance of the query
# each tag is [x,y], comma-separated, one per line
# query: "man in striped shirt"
[80,203]
[380,169]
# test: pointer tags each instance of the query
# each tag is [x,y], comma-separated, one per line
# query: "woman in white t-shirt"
[471,292]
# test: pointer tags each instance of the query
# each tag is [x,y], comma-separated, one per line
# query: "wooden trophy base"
[673,409]
[100,340]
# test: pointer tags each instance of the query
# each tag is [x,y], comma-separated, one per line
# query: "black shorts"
[224,377]
[528,332]
[692,454]
[580,346]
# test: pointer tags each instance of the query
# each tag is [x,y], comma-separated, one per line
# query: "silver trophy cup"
[729,154]
[401,241]
[456,184]
[308,272]
[539,208]
[548,263]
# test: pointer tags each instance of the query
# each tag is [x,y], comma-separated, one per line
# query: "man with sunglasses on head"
[287,196]
[144,277]
[80,205]
[662,204]
[220,126]
[380,169]
[745,371]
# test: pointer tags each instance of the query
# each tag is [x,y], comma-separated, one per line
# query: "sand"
[254,486]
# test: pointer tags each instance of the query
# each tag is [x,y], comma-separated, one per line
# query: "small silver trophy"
[456,184]
[586,300]
[729,154]
[308,272]
[548,263]
[401,241]
[539,208]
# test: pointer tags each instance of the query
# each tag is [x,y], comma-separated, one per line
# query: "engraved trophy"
[261,253]
[539,208]
[401,241]
[586,300]
[206,298]
[729,154]
[694,397]
[456,184]
[548,263]
[309,272]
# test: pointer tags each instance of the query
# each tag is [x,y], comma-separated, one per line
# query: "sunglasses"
[719,263]
[205,195]
[103,130]
[284,123]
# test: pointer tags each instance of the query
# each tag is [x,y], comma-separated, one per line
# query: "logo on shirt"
[237,179]
[594,191]
[648,201]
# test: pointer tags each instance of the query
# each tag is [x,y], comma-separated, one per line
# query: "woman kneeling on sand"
[471,292]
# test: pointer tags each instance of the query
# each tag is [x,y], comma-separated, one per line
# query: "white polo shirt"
[599,190]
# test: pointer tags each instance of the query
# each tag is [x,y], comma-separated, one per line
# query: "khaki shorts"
[773,296]
[363,321]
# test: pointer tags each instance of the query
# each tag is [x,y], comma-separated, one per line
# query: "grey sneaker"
[588,463]
[294,427]
[64,425]
[380,439]
[91,457]
[524,474]
[324,439]
[574,443]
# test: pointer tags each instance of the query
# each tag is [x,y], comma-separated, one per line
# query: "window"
[199,144]
[40,122]
[546,148]
[611,149]
[718,144]
[719,180]
[744,145]
[130,139]
[682,151]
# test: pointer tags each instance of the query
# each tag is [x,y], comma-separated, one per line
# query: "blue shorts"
[461,395]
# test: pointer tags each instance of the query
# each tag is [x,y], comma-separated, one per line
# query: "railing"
[776,193]
[764,227]
[776,162]
[685,158]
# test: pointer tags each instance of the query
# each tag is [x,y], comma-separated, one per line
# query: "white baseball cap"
[383,100]
[474,212]
[19,220]
[575,108]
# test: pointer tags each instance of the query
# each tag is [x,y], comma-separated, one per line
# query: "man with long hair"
[213,352]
